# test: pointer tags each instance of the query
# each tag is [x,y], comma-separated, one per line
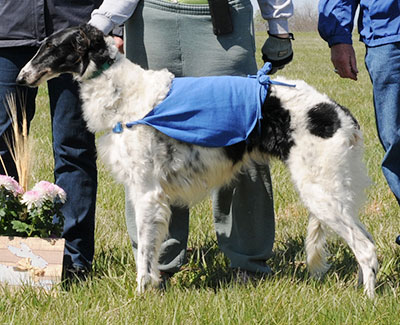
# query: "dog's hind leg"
[152,219]
[361,243]
[336,211]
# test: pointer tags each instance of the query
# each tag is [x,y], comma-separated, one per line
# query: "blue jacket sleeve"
[336,20]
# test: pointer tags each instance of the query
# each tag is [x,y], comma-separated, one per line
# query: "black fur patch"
[235,152]
[275,138]
[276,134]
[193,163]
[323,120]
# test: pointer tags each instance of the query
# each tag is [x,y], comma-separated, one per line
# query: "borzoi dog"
[318,140]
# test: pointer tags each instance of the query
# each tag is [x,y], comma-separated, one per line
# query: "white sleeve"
[277,13]
[112,13]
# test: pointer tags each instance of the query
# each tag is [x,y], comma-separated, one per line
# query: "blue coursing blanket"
[210,111]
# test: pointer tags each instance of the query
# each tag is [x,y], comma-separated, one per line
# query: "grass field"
[204,292]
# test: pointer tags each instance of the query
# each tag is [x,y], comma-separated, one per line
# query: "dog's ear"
[89,37]
[91,46]
[82,42]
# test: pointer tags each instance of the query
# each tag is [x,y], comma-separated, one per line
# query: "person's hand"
[277,49]
[344,60]
[119,43]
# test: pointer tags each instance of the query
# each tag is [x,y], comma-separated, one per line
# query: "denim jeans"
[73,149]
[383,64]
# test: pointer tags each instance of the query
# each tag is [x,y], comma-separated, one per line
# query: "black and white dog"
[319,141]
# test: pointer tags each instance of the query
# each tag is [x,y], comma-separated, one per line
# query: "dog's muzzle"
[32,77]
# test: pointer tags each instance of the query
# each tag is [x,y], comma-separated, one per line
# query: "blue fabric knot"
[118,128]
[263,78]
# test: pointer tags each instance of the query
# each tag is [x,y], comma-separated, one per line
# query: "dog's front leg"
[152,219]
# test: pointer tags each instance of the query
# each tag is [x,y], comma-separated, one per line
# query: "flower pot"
[31,261]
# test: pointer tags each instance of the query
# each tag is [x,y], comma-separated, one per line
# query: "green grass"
[204,291]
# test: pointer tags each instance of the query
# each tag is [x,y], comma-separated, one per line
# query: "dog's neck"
[102,68]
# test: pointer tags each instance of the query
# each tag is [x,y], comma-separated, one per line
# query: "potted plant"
[34,213]
[31,222]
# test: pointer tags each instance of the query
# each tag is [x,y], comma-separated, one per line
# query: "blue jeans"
[73,149]
[383,64]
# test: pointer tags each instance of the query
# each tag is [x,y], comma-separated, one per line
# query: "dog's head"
[77,50]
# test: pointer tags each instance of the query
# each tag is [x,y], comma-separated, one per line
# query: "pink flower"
[10,184]
[41,192]
[32,199]
[50,191]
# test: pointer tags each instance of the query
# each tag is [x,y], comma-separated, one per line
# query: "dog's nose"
[21,79]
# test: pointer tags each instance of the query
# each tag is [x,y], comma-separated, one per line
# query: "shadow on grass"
[207,266]
[114,262]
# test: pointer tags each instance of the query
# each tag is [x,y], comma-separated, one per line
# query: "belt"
[190,2]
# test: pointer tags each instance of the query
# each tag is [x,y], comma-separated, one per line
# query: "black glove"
[278,51]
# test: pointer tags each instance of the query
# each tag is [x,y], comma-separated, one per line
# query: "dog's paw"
[145,282]
[318,272]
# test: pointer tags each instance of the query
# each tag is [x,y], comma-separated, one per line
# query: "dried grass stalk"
[18,145]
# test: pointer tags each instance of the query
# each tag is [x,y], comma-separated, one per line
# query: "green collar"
[103,68]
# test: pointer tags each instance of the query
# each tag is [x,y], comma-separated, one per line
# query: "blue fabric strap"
[210,111]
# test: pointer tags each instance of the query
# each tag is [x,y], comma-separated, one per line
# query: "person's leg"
[383,64]
[186,45]
[156,47]
[244,220]
[243,212]
[75,171]
[11,62]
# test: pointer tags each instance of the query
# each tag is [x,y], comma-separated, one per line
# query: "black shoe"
[245,276]
[75,273]
[165,277]
[398,240]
